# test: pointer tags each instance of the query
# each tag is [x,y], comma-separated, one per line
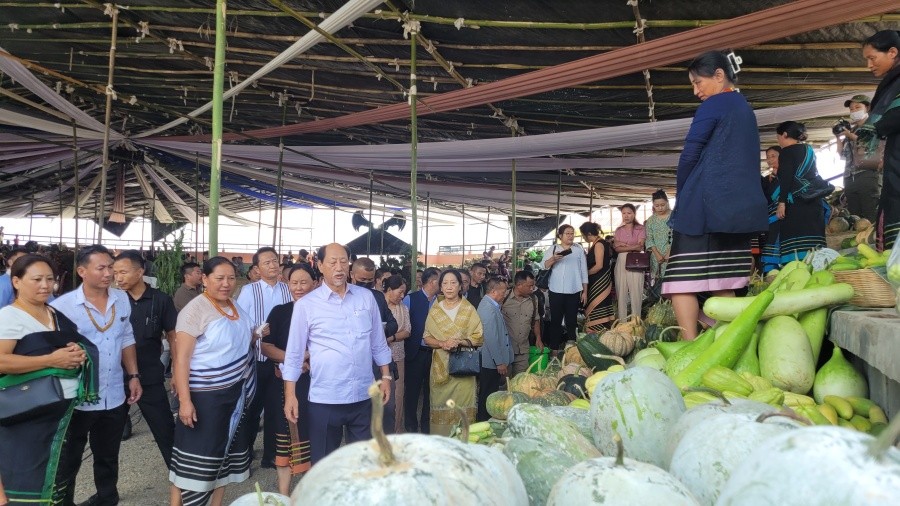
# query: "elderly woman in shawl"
[451,322]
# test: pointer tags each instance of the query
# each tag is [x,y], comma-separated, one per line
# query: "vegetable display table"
[873,336]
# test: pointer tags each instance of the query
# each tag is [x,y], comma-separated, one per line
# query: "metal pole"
[215,169]
[487,228]
[59,175]
[427,221]
[196,206]
[514,258]
[558,194]
[109,93]
[259,226]
[414,161]
[591,204]
[77,195]
[279,202]
[462,262]
[383,219]
[31,216]
[369,234]
[144,226]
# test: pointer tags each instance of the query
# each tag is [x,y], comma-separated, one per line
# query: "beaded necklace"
[106,327]
[221,311]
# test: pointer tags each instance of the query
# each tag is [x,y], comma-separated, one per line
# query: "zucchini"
[785,303]
[684,356]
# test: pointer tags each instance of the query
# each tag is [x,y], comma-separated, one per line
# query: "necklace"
[221,311]
[108,324]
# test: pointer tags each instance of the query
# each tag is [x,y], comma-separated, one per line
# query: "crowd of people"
[296,348]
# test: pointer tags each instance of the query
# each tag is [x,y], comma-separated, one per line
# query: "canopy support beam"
[215,169]
[413,159]
[109,96]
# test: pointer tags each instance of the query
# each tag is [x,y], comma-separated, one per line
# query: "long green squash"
[668,349]
[785,357]
[815,321]
[749,361]
[731,344]
[688,353]
[785,303]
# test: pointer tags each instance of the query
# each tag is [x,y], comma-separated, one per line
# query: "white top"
[569,274]
[109,343]
[451,313]
[17,324]
[257,300]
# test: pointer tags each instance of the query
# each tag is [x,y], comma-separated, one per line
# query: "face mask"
[858,115]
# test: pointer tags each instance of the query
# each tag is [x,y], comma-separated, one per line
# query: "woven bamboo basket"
[869,289]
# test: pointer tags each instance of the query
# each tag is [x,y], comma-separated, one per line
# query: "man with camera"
[862,152]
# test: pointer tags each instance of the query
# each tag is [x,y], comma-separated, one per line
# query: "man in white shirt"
[102,316]
[258,299]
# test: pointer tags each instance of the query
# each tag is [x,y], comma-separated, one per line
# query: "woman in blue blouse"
[720,205]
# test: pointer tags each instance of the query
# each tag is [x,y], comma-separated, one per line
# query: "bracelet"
[388,378]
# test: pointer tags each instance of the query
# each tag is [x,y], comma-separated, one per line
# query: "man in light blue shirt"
[496,354]
[339,323]
[102,316]
[6,289]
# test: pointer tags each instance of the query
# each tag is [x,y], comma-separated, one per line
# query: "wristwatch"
[129,377]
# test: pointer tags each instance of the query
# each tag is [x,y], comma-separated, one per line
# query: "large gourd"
[589,346]
[610,481]
[698,414]
[581,418]
[500,402]
[539,464]
[640,404]
[839,377]
[528,383]
[710,451]
[686,354]
[536,422]
[411,470]
[785,356]
[819,465]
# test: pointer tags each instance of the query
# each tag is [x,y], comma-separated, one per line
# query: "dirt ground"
[144,480]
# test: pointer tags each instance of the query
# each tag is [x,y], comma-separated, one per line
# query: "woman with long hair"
[214,375]
[568,285]
[720,205]
[802,219]
[882,54]
[451,322]
[394,291]
[771,249]
[37,343]
[629,237]
[598,311]
[291,442]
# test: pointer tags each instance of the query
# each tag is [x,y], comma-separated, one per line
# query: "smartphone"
[565,252]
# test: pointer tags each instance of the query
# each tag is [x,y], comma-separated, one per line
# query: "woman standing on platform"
[214,377]
[568,285]
[628,238]
[38,342]
[802,215]
[720,205]
[598,311]
[291,440]
[882,54]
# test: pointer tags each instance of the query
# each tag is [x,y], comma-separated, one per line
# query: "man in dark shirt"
[152,315]
[418,355]
[191,286]
[476,292]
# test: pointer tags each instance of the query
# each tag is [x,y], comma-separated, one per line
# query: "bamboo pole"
[31,216]
[259,228]
[215,169]
[77,192]
[196,206]
[558,195]
[514,215]
[109,92]
[414,160]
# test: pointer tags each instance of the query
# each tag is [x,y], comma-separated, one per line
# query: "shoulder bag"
[30,399]
[465,361]
[542,280]
[637,261]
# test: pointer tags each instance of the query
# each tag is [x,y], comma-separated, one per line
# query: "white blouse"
[17,324]
[570,272]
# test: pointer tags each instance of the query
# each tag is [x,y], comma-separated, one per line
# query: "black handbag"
[637,261]
[31,399]
[818,189]
[542,280]
[465,361]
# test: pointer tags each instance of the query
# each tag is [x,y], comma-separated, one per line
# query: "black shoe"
[267,464]
[95,501]
[128,431]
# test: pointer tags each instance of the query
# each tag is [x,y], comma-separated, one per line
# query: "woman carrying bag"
[629,239]
[568,285]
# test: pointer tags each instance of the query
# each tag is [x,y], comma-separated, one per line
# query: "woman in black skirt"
[802,218]
[291,440]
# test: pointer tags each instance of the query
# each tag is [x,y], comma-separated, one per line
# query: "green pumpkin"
[558,398]
[500,402]
[573,384]
[589,346]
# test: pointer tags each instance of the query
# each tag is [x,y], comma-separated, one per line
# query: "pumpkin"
[619,343]
[553,367]
[862,224]
[500,402]
[539,464]
[528,383]
[573,369]
[819,465]
[573,384]
[581,418]
[573,356]
[535,422]
[618,480]
[640,404]
[837,226]
[558,398]
[590,346]
[633,325]
[711,450]
[698,414]
[411,470]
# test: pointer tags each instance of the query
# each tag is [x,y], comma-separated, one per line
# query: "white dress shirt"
[110,343]
[343,336]
[272,295]
[570,272]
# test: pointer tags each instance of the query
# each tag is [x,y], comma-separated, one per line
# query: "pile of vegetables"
[865,257]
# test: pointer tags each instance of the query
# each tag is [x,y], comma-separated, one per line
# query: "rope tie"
[411,26]
[459,23]
[110,9]
[111,91]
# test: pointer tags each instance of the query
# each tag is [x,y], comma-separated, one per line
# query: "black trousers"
[327,423]
[265,379]
[155,408]
[562,305]
[418,375]
[489,381]
[103,429]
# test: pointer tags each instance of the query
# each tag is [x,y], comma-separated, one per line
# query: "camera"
[840,126]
